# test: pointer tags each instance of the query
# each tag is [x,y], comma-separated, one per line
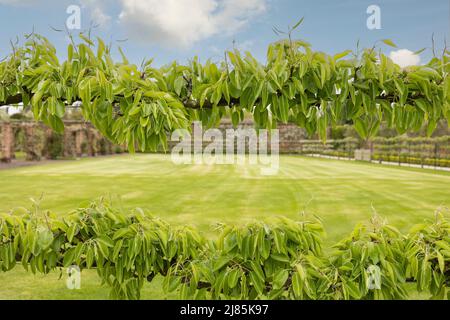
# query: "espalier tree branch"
[141,106]
[276,259]
[188,103]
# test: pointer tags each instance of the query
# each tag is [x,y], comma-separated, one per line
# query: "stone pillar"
[110,147]
[91,141]
[78,142]
[48,133]
[68,143]
[7,143]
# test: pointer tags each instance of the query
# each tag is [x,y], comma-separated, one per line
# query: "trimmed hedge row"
[342,148]
[412,160]
[277,259]
[420,151]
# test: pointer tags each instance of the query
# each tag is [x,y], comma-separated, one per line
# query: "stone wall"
[40,142]
[6,142]
[82,139]
[290,136]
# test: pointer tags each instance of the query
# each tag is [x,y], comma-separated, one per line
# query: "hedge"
[421,151]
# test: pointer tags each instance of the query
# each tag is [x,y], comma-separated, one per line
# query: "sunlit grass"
[341,193]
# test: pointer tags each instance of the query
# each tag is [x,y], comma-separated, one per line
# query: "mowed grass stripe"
[342,193]
[201,195]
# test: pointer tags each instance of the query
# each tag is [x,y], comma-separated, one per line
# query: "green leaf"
[352,289]
[217,95]
[341,55]
[441,261]
[280,279]
[60,109]
[442,244]
[121,233]
[297,285]
[178,85]
[284,109]
[71,232]
[256,267]
[432,124]
[419,51]
[89,257]
[69,257]
[100,48]
[298,23]
[134,110]
[235,118]
[57,124]
[85,39]
[174,283]
[361,128]
[389,43]
[124,58]
[104,239]
[69,52]
[221,262]
[258,284]
[233,278]
[226,91]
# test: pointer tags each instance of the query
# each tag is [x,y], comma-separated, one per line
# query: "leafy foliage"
[279,259]
[139,106]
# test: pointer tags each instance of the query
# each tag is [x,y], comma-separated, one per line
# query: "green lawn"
[342,193]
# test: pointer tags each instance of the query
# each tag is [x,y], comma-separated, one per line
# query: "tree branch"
[188,103]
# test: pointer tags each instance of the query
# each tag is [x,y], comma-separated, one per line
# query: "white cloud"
[97,12]
[100,17]
[246,45]
[216,50]
[17,2]
[183,22]
[404,58]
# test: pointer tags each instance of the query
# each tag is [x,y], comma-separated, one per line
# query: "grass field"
[342,193]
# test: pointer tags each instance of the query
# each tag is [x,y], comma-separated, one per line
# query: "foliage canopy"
[139,105]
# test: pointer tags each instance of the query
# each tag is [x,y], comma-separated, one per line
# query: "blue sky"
[179,29]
